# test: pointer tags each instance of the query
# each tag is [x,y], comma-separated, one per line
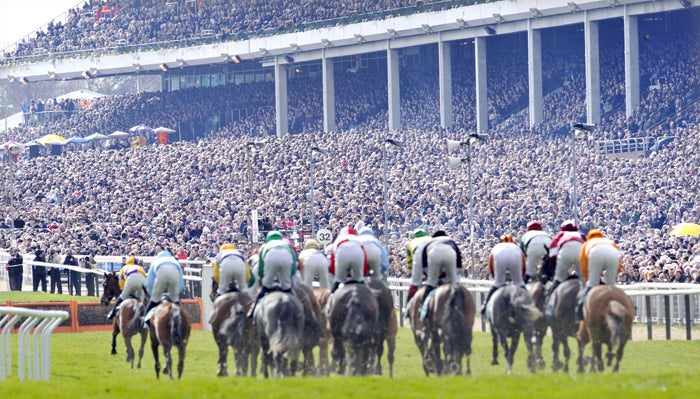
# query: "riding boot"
[335,286]
[527,278]
[488,297]
[263,290]
[553,287]
[113,313]
[579,305]
[428,289]
[150,306]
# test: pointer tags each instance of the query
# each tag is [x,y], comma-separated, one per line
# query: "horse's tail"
[526,306]
[234,326]
[356,323]
[176,325]
[454,321]
[615,321]
[287,336]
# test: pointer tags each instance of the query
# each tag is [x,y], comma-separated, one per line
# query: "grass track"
[83,368]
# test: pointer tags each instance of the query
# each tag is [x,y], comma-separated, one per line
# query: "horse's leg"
[494,351]
[142,333]
[556,341]
[223,355]
[115,332]
[503,338]
[254,352]
[154,349]
[391,348]
[582,338]
[338,355]
[129,349]
[181,352]
[618,357]
[323,356]
[597,364]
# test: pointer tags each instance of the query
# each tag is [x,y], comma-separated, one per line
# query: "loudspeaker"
[454,162]
[453,145]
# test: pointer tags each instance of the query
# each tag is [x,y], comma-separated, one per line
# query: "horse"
[322,296]
[511,312]
[607,318]
[314,329]
[563,320]
[170,327]
[388,323]
[233,329]
[421,335]
[449,320]
[354,320]
[538,291]
[279,320]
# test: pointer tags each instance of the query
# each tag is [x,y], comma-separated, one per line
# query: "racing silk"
[588,247]
[128,270]
[411,250]
[345,239]
[528,236]
[275,244]
[372,240]
[442,240]
[562,238]
[226,254]
[167,262]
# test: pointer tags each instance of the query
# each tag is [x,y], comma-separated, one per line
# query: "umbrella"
[96,137]
[34,143]
[162,129]
[13,146]
[141,129]
[119,135]
[52,139]
[77,140]
[685,229]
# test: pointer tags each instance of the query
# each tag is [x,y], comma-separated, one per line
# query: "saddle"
[424,306]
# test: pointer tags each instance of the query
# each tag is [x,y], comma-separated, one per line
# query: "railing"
[620,146]
[34,352]
[664,304]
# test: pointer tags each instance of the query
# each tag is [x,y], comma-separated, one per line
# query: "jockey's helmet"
[132,261]
[163,254]
[569,225]
[366,231]
[311,244]
[595,233]
[534,225]
[419,233]
[273,235]
[226,246]
[348,231]
[507,238]
[440,233]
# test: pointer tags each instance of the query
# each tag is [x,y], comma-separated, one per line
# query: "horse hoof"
[114,351]
[494,362]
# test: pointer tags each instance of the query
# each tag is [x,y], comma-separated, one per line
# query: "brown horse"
[354,319]
[388,322]
[314,329]
[170,327]
[563,321]
[322,296]
[538,293]
[130,323]
[421,334]
[607,318]
[449,320]
[233,329]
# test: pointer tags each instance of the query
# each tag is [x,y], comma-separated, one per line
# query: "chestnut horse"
[170,327]
[128,322]
[449,320]
[322,296]
[388,323]
[607,319]
[537,292]
[233,329]
[314,329]
[421,334]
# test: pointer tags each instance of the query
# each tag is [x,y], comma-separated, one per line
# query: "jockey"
[348,254]
[565,248]
[435,258]
[165,274]
[276,261]
[505,256]
[377,254]
[598,254]
[231,265]
[132,279]
[418,237]
[535,245]
[312,261]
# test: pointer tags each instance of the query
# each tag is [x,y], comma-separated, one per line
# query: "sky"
[18,18]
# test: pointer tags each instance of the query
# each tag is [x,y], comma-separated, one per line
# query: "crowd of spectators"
[195,195]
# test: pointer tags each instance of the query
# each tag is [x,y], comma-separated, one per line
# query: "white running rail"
[33,349]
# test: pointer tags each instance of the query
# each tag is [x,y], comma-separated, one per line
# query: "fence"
[33,350]
[666,304]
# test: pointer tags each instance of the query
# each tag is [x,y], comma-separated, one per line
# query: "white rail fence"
[34,328]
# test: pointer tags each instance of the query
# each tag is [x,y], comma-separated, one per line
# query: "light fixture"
[236,59]
[490,30]
[613,3]
[225,57]
[137,67]
[385,148]
[295,47]
[10,78]
[392,33]
[535,12]
[498,17]
[397,143]
[24,81]
[180,62]
[52,75]
[163,67]
[573,7]
[426,28]
[264,52]
[462,23]
[94,71]
[326,43]
[359,38]
[685,3]
[288,58]
[86,75]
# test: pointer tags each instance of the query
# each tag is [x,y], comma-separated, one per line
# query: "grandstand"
[121,200]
